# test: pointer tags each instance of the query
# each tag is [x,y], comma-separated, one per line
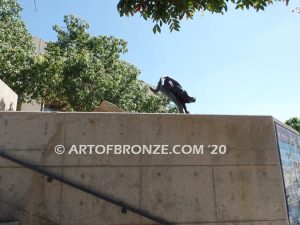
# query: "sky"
[238,63]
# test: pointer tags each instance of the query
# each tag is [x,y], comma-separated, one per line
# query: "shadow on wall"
[3,106]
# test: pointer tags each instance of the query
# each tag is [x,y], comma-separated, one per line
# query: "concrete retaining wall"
[8,98]
[242,187]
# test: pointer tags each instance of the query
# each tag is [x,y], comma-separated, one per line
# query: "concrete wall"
[8,98]
[242,187]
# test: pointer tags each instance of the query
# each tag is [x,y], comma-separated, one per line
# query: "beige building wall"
[33,106]
[8,98]
[242,187]
[40,46]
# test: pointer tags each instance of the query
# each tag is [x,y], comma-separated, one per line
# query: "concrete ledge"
[242,187]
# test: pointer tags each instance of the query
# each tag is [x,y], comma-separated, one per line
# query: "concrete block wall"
[242,187]
[8,98]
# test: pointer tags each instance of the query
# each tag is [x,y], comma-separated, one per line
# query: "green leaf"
[169,11]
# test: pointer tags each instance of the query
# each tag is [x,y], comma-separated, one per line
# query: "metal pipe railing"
[124,206]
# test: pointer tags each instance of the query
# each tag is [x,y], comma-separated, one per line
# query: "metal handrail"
[124,206]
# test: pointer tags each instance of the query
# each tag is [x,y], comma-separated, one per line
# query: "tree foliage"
[172,11]
[294,123]
[79,71]
[16,49]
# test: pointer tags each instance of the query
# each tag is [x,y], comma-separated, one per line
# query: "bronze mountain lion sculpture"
[173,90]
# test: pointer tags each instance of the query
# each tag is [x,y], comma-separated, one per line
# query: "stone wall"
[242,187]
